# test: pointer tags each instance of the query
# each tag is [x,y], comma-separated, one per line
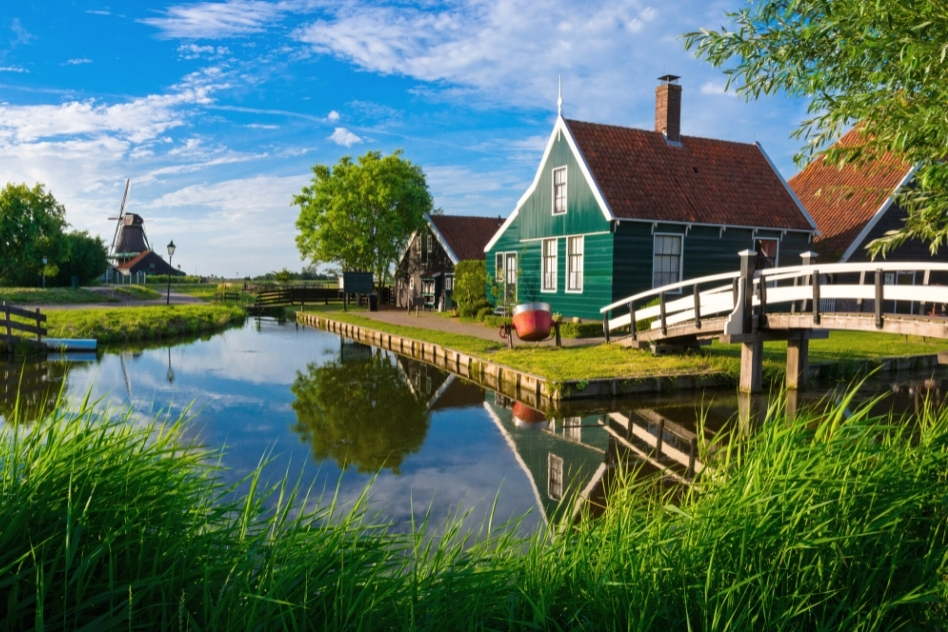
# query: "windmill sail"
[129,240]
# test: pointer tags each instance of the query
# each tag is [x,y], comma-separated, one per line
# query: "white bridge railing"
[784,287]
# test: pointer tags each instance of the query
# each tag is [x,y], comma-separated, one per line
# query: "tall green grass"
[834,520]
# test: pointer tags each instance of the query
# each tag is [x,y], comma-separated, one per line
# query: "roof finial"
[559,101]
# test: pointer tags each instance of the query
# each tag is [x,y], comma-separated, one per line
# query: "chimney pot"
[668,108]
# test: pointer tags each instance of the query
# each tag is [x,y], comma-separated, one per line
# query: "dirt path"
[430,320]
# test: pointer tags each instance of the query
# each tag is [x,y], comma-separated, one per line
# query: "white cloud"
[137,120]
[98,12]
[342,136]
[78,61]
[208,20]
[333,116]
[22,36]
[717,88]
[261,126]
[13,69]
[193,51]
[504,49]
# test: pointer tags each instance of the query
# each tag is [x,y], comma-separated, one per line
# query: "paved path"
[431,320]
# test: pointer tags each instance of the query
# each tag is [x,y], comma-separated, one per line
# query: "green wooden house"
[613,211]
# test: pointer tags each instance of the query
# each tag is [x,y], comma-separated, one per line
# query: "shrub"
[484,312]
[470,287]
[580,330]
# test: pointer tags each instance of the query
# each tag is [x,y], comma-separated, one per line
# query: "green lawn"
[140,323]
[610,361]
[51,296]
[136,292]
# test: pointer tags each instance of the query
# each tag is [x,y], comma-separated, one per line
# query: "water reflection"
[359,411]
[32,383]
[341,414]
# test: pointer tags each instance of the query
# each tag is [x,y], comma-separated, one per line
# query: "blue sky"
[217,110]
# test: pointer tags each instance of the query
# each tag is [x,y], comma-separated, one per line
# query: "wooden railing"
[12,328]
[297,296]
[791,289]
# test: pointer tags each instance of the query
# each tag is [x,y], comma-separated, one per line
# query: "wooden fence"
[13,328]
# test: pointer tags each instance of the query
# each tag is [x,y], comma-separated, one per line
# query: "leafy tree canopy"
[881,65]
[31,227]
[359,412]
[87,258]
[361,214]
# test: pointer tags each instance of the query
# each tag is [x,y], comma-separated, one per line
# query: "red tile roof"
[466,235]
[842,201]
[128,264]
[703,181]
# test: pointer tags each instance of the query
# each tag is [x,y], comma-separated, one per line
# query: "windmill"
[129,240]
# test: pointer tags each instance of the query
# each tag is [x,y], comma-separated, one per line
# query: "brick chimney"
[668,108]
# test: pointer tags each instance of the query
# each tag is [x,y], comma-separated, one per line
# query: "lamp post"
[170,254]
[44,273]
[170,370]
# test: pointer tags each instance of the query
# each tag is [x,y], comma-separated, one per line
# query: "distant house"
[613,211]
[425,273]
[854,205]
[148,262]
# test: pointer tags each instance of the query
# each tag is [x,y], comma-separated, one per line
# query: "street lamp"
[170,254]
[44,273]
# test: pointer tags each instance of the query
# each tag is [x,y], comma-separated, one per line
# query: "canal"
[341,415]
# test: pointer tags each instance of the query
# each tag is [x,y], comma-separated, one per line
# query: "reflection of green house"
[560,457]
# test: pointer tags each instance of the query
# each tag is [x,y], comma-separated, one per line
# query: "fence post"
[748,265]
[878,298]
[807,258]
[862,281]
[816,297]
[697,297]
[632,327]
[39,338]
[661,308]
[605,325]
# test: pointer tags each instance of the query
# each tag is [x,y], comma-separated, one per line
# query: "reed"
[831,520]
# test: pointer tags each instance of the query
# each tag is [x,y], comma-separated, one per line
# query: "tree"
[881,65]
[87,258]
[470,286]
[359,412]
[31,227]
[283,277]
[361,214]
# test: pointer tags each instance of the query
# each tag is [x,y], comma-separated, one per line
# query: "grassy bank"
[52,296]
[151,322]
[611,361]
[830,521]
[576,363]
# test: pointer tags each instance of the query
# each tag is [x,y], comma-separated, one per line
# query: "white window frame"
[569,265]
[554,271]
[449,283]
[499,261]
[681,258]
[565,190]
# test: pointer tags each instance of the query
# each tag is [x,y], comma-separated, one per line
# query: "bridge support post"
[797,352]
[752,364]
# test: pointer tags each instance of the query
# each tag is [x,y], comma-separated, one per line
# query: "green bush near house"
[470,287]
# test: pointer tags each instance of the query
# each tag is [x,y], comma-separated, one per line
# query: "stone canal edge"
[539,392]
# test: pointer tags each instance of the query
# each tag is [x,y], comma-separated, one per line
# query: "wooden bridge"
[794,303]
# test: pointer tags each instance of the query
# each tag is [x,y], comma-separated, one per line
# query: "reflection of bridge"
[794,303]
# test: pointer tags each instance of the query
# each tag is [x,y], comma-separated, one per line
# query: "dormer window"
[559,191]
